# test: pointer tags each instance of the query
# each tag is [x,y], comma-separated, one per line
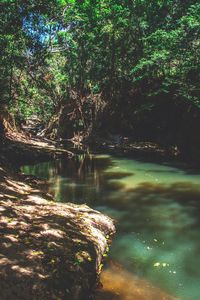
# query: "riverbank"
[48,250]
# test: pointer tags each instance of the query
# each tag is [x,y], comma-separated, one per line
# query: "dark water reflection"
[157,208]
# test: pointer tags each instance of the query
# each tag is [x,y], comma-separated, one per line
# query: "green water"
[157,209]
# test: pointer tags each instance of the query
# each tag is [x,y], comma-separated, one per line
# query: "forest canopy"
[141,56]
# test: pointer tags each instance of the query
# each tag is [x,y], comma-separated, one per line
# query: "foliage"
[138,54]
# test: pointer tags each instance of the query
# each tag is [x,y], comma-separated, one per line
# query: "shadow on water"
[157,209]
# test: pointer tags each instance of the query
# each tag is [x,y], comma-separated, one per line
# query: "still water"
[155,254]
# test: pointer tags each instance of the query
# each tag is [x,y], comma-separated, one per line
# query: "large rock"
[48,250]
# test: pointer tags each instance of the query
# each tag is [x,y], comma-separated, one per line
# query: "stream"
[155,254]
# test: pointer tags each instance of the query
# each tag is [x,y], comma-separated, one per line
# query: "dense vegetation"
[136,61]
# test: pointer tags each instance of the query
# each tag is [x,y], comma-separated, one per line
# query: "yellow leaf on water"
[157,264]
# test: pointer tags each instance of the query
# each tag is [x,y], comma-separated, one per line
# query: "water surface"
[155,254]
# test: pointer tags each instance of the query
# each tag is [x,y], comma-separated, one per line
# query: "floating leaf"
[157,264]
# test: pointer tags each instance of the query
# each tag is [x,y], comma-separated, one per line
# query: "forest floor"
[48,250]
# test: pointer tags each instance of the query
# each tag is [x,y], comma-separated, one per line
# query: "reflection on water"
[157,208]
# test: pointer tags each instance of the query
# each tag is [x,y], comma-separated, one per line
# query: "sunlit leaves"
[62,2]
[107,46]
[192,19]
